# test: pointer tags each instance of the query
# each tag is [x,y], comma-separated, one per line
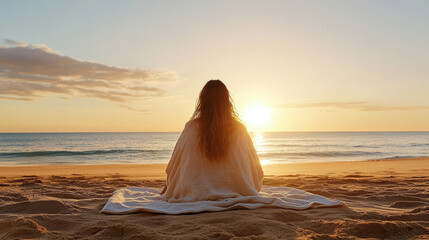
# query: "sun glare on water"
[265,162]
[260,146]
[256,117]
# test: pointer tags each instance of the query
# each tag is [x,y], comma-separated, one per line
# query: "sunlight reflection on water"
[260,146]
[258,142]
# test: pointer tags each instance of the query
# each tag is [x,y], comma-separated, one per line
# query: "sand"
[386,199]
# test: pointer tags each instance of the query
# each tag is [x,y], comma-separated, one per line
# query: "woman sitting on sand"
[214,157]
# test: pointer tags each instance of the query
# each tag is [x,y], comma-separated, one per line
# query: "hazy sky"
[139,65]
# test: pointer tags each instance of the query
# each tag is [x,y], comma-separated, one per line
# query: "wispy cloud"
[358,106]
[14,43]
[30,72]
[134,109]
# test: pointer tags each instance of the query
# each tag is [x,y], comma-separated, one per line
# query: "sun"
[256,116]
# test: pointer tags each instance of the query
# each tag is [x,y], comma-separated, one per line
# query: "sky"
[138,66]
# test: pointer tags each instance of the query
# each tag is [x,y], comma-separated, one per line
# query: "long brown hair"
[218,119]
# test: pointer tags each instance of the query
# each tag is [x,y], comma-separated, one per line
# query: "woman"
[214,157]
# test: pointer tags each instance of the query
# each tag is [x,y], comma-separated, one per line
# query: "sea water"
[145,147]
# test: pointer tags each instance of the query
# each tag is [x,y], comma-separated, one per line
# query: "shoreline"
[156,170]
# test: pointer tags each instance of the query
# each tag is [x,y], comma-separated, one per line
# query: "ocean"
[272,147]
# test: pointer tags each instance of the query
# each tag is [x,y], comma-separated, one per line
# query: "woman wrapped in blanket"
[214,157]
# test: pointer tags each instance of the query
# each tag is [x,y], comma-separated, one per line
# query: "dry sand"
[386,199]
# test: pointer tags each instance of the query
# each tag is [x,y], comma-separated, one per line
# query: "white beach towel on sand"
[137,199]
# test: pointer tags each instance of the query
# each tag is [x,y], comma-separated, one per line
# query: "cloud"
[359,106]
[31,72]
[14,43]
[134,109]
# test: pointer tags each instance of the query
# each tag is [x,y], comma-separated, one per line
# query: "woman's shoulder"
[240,126]
[239,130]
[191,123]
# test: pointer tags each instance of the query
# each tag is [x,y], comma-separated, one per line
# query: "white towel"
[137,199]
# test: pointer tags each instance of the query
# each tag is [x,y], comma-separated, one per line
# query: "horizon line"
[248,131]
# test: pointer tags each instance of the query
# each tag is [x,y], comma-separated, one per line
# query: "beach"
[384,199]
[276,120]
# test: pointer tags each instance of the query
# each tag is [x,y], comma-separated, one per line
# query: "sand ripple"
[67,207]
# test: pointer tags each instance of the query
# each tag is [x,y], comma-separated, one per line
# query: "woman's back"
[191,176]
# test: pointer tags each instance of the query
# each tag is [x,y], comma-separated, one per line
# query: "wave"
[286,145]
[76,153]
[399,157]
[321,145]
[419,144]
[365,146]
[321,154]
